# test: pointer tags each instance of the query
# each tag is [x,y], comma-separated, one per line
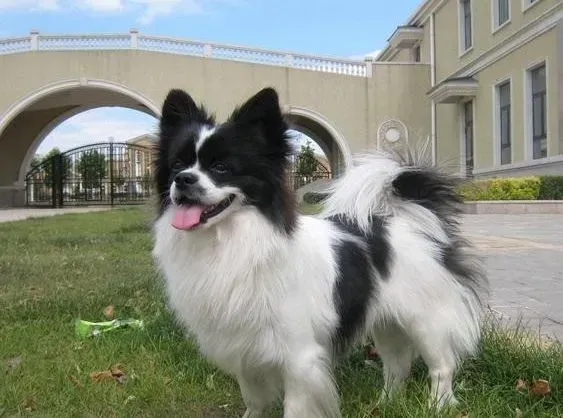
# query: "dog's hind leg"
[258,392]
[438,353]
[397,354]
[310,390]
[441,367]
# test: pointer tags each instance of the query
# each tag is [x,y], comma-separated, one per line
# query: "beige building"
[496,81]
[481,79]
[146,140]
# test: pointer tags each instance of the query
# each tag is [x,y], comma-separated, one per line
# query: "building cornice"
[453,90]
[406,37]
[417,18]
[423,11]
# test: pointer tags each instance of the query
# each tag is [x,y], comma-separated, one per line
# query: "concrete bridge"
[346,106]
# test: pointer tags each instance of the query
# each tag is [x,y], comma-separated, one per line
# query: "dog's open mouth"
[189,214]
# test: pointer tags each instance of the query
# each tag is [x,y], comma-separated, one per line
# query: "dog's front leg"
[310,390]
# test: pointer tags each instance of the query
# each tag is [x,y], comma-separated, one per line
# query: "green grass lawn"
[55,270]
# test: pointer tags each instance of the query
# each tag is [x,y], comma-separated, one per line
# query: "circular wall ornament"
[392,135]
[392,131]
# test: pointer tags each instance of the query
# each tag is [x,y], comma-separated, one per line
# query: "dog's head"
[206,171]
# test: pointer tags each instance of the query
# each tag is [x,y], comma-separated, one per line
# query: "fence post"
[34,34]
[52,181]
[134,37]
[57,180]
[369,66]
[61,177]
[111,172]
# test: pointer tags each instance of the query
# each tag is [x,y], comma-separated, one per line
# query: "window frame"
[540,94]
[497,121]
[496,25]
[465,42]
[530,133]
[465,171]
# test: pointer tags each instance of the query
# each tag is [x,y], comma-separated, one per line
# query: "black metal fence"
[96,174]
[116,174]
[303,174]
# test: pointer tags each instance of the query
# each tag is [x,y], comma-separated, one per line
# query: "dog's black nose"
[184,180]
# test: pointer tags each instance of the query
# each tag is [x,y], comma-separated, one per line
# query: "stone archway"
[24,126]
[26,123]
[329,139]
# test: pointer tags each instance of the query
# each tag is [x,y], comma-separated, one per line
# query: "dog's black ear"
[262,109]
[263,105]
[179,107]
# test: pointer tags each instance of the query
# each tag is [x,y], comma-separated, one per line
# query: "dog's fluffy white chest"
[228,289]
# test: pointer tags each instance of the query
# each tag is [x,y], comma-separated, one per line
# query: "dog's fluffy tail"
[379,182]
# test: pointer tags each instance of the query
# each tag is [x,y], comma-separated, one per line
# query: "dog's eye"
[220,168]
[177,165]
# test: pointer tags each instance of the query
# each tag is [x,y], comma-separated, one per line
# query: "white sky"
[98,125]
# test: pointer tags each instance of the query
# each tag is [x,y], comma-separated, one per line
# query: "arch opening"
[28,123]
[331,152]
[309,164]
[325,135]
[100,156]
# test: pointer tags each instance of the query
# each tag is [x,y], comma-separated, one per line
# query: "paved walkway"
[524,258]
[7,215]
[523,255]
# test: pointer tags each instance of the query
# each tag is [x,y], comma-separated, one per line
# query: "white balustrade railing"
[78,42]
[7,46]
[135,40]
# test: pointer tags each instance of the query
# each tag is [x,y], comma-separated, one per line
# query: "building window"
[501,12]
[468,137]
[416,53]
[466,24]
[504,122]
[539,111]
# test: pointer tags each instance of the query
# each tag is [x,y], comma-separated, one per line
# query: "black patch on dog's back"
[377,240]
[357,278]
[353,290]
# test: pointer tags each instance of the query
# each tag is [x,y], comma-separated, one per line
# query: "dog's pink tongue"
[186,217]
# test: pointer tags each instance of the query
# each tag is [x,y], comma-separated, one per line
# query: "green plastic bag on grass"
[85,329]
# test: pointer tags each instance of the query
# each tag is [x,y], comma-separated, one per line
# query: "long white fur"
[260,303]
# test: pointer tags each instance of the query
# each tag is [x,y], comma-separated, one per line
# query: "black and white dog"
[273,296]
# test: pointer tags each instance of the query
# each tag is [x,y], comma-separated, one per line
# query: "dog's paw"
[445,402]
[384,397]
[252,414]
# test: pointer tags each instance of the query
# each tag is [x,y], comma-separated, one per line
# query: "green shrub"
[519,188]
[551,188]
[314,197]
[475,190]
